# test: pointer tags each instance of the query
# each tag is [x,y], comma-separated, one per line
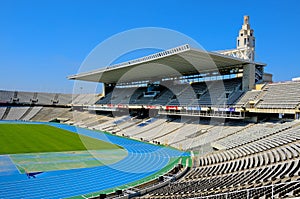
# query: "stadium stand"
[180,94]
[246,97]
[25,97]
[254,132]
[160,131]
[87,120]
[264,167]
[6,96]
[215,94]
[206,133]
[2,111]
[45,98]
[40,98]
[64,99]
[274,97]
[30,113]
[39,106]
[15,113]
[85,99]
[144,126]
[49,113]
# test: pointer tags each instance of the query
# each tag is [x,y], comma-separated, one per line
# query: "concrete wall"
[248,77]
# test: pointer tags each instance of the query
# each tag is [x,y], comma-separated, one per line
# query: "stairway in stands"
[26,113]
[5,113]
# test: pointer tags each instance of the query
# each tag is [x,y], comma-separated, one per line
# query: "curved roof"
[179,61]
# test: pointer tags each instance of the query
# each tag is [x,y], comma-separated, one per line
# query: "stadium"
[180,123]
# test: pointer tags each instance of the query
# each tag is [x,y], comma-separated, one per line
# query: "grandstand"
[241,129]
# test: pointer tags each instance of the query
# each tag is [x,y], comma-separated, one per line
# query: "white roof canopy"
[179,61]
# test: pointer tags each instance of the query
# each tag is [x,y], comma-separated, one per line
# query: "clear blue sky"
[42,42]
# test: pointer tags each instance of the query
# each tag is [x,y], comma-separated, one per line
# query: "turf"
[35,138]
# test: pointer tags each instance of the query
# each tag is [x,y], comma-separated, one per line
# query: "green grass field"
[37,138]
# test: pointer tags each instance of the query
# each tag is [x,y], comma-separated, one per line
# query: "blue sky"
[43,42]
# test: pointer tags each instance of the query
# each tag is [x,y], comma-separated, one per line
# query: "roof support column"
[248,77]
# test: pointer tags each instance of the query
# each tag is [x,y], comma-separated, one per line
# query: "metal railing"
[269,190]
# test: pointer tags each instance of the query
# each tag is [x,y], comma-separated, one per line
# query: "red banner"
[150,107]
[171,107]
[121,106]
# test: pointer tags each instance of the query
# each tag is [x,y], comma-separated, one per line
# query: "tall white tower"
[245,43]
[245,49]
[246,39]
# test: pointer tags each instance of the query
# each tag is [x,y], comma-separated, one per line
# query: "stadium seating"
[32,111]
[211,93]
[246,97]
[40,98]
[136,130]
[15,113]
[45,98]
[219,92]
[224,91]
[25,97]
[49,113]
[254,132]
[259,167]
[208,133]
[124,96]
[281,95]
[84,99]
[2,111]
[6,96]
[64,99]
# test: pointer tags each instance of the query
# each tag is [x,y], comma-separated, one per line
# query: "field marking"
[52,161]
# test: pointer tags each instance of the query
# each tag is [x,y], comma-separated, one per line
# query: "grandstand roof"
[179,61]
